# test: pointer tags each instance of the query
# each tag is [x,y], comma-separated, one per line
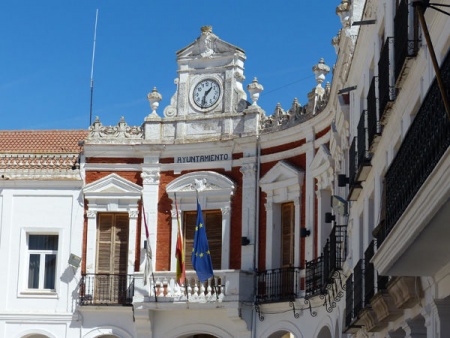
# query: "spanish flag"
[179,251]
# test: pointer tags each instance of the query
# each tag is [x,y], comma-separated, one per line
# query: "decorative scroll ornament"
[151,176]
[133,213]
[248,170]
[122,133]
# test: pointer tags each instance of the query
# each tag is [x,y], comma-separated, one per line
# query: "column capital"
[91,214]
[150,176]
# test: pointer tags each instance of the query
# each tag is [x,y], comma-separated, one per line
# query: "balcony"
[354,299]
[417,213]
[373,117]
[225,286]
[322,272]
[106,289]
[278,285]
[354,185]
[406,39]
[359,157]
[386,87]
[315,280]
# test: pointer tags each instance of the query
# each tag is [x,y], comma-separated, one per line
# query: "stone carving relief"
[122,133]
[171,110]
[133,214]
[151,176]
[91,214]
[225,211]
[248,170]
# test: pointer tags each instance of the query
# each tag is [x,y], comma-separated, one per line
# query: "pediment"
[201,181]
[207,45]
[282,174]
[322,161]
[112,185]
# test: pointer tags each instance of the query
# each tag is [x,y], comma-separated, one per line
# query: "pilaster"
[249,187]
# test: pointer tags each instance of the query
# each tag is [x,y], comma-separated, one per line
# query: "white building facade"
[324,220]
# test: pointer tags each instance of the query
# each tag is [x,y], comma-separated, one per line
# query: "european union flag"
[201,258]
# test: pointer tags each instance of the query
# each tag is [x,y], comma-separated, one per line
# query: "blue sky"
[46,53]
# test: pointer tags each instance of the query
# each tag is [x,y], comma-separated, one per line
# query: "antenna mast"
[92,67]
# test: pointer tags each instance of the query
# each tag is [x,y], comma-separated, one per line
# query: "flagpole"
[154,287]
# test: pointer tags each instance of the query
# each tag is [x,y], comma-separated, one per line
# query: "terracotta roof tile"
[41,141]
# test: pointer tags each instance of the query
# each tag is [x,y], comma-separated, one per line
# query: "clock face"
[206,93]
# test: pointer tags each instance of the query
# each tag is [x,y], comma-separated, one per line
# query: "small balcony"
[322,272]
[386,86]
[417,187]
[355,186]
[106,289]
[225,286]
[406,39]
[315,280]
[278,285]
[359,157]
[374,127]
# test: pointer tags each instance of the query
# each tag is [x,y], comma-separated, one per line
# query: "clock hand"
[205,95]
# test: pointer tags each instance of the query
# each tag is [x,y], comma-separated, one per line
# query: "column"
[269,232]
[297,242]
[132,226]
[226,239]
[249,187]
[310,198]
[91,244]
[150,195]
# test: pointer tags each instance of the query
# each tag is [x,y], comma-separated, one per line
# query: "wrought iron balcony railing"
[349,313]
[363,144]
[373,282]
[373,117]
[106,289]
[406,36]
[278,285]
[353,164]
[386,87]
[334,252]
[426,141]
[315,280]
[358,288]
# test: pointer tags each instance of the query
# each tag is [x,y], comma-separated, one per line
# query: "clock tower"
[209,100]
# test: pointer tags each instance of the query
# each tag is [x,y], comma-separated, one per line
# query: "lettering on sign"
[203,158]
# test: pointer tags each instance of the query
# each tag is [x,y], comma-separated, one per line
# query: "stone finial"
[254,89]
[320,70]
[206,29]
[343,11]
[154,97]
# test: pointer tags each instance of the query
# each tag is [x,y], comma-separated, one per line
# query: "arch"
[324,332]
[35,333]
[107,332]
[215,191]
[186,331]
[281,334]
[281,326]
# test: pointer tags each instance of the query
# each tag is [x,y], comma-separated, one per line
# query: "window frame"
[24,264]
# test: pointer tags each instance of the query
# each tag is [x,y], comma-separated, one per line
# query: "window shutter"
[287,234]
[213,224]
[104,247]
